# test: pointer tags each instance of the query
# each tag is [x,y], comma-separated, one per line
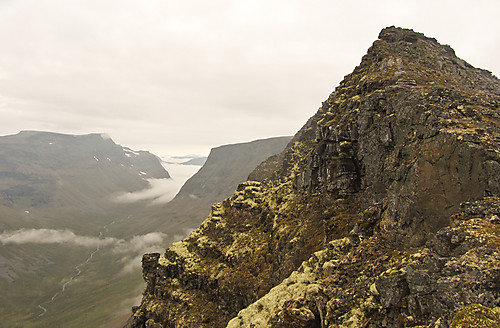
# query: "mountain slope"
[225,167]
[81,241]
[382,211]
[41,172]
[63,238]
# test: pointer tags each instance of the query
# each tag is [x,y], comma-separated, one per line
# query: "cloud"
[131,264]
[141,243]
[52,236]
[138,245]
[161,190]
[130,250]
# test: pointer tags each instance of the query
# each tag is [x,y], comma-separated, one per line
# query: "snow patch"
[130,153]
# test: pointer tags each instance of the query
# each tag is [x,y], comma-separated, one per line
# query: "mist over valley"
[78,212]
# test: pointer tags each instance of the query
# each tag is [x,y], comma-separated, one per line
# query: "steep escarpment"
[413,127]
[382,210]
[249,243]
[363,282]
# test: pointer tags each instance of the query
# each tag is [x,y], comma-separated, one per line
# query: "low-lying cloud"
[131,264]
[162,190]
[52,236]
[129,251]
[141,243]
[138,245]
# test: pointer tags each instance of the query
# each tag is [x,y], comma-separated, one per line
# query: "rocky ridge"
[383,210]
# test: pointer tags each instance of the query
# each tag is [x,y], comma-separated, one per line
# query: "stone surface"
[381,212]
[476,315]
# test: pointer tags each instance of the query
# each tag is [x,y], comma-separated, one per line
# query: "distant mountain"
[185,160]
[195,161]
[40,171]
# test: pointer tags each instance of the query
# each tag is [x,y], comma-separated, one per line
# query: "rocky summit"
[383,211]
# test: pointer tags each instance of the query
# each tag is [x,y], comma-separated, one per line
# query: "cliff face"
[382,211]
[413,128]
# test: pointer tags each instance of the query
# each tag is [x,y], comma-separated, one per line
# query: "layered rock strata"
[383,210]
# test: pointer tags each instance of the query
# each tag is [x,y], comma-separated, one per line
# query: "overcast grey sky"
[179,77]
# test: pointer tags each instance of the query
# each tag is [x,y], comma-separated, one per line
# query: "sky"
[181,77]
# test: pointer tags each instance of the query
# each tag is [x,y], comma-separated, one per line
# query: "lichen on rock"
[476,316]
[381,212]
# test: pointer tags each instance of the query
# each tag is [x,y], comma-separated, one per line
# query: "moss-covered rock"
[381,212]
[477,316]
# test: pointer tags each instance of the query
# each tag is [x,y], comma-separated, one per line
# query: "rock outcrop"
[383,210]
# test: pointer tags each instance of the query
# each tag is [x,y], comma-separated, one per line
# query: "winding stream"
[78,273]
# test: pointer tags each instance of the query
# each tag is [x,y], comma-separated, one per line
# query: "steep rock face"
[248,244]
[350,225]
[413,127]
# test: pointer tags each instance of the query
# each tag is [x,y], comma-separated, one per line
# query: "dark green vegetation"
[383,210]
